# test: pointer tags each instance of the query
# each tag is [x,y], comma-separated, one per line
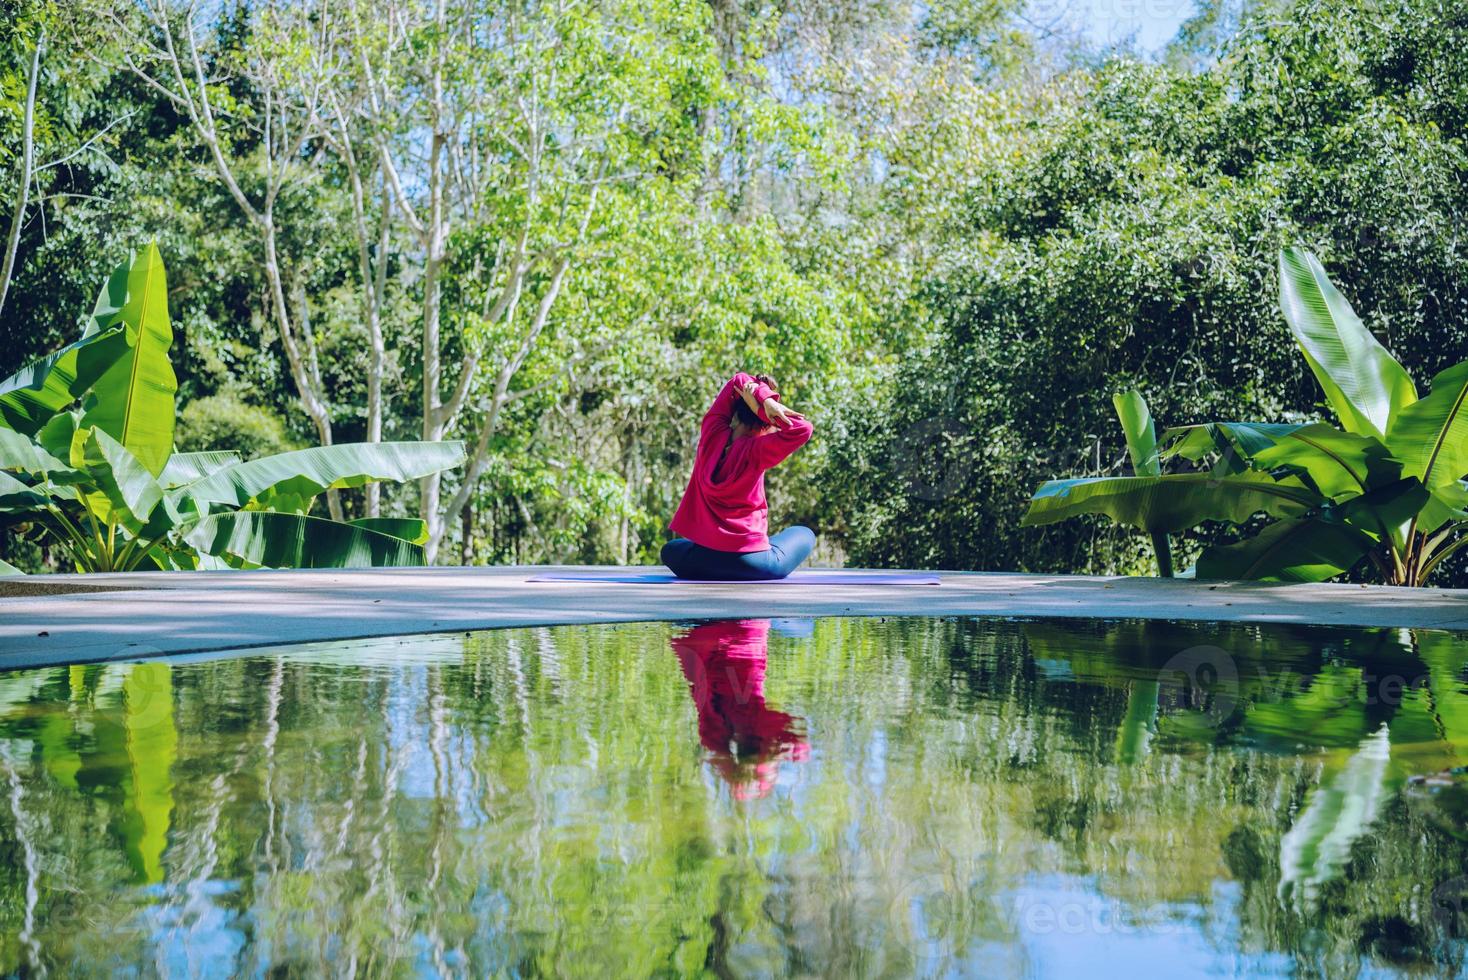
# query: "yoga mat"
[833,576]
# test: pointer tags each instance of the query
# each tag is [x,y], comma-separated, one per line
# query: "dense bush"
[226,419]
[1132,241]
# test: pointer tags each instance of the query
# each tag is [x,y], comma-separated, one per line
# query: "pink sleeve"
[722,409]
[773,447]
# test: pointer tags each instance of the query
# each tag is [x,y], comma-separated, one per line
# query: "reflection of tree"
[1339,811]
[533,801]
[725,666]
[1446,657]
[24,838]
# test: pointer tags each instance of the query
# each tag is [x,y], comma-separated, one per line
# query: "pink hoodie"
[725,666]
[731,515]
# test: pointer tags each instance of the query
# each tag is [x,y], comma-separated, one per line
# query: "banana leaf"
[294,478]
[1385,512]
[107,311]
[1448,504]
[1363,383]
[1336,814]
[1334,462]
[133,401]
[55,435]
[1431,436]
[55,733]
[1331,712]
[1319,546]
[20,454]
[1446,658]
[185,468]
[126,492]
[32,395]
[1231,439]
[152,749]
[275,540]
[410,529]
[16,497]
[1174,502]
[1301,549]
[1134,738]
[1141,434]
[1141,445]
[1113,653]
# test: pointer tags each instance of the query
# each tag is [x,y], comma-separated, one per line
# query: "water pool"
[853,797]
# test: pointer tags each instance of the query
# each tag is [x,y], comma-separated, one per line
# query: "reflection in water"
[934,797]
[1337,813]
[725,666]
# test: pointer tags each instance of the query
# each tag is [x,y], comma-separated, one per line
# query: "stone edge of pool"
[127,616]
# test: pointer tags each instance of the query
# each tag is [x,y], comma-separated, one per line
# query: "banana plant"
[102,480]
[1385,486]
[1161,503]
[1141,444]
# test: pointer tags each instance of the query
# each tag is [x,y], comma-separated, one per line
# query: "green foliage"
[1141,444]
[1172,502]
[226,419]
[79,482]
[1364,385]
[1345,495]
[269,539]
[1133,233]
[31,396]
[932,225]
[1431,436]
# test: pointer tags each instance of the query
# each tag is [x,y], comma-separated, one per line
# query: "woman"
[722,519]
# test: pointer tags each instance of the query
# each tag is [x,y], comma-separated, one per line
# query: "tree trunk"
[437,234]
[315,408]
[27,169]
[466,551]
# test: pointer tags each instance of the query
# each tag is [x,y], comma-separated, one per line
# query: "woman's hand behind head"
[778,414]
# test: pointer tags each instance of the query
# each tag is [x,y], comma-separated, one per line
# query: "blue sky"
[1151,22]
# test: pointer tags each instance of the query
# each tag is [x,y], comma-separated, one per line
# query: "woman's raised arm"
[790,434]
[722,409]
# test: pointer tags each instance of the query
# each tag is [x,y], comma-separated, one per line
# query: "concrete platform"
[150,614]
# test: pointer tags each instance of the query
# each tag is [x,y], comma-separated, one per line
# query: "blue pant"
[787,550]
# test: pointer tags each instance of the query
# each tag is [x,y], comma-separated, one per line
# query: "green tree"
[1131,240]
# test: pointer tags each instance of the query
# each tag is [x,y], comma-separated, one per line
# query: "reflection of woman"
[725,666]
[722,517]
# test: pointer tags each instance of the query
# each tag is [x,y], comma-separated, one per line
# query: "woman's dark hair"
[742,411]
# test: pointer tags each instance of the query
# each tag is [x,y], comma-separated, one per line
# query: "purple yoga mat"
[833,576]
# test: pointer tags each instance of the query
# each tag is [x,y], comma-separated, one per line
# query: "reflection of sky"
[1069,929]
[199,937]
[410,732]
[407,735]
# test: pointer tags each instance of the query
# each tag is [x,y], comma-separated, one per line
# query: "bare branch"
[91,141]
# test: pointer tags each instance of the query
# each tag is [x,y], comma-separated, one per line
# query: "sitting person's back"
[723,515]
